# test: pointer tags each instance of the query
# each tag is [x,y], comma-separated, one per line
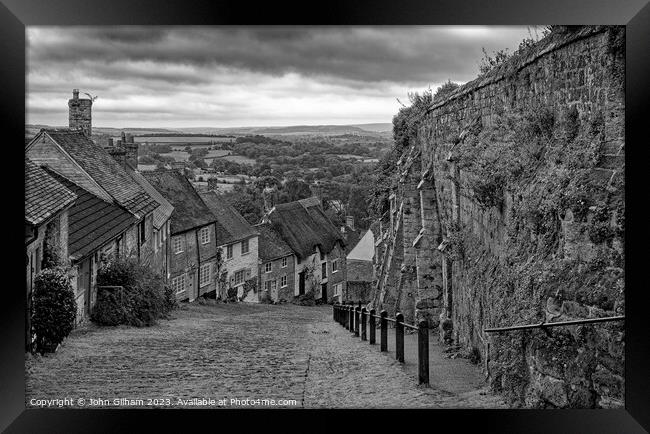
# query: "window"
[178,284]
[267,267]
[229,252]
[274,284]
[205,235]
[204,275]
[178,244]
[244,247]
[323,270]
[141,228]
[283,281]
[267,285]
[335,266]
[337,288]
[239,277]
[284,262]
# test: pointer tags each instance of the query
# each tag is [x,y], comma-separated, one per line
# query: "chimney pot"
[75,93]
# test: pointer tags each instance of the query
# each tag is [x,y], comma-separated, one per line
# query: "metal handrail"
[553,324]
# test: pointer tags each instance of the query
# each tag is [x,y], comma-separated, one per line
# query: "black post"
[399,337]
[372,326]
[383,323]
[334,311]
[423,352]
[357,311]
[351,318]
[364,315]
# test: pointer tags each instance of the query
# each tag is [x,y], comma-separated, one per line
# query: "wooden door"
[301,283]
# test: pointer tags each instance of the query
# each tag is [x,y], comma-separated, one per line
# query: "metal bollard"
[423,352]
[364,315]
[383,323]
[357,311]
[399,337]
[372,326]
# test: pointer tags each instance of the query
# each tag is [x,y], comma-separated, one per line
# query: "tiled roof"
[44,195]
[92,222]
[189,209]
[271,245]
[304,228]
[164,210]
[110,175]
[232,226]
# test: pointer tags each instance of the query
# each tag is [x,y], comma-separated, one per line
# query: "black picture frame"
[635,14]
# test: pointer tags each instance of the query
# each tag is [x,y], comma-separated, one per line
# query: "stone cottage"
[276,266]
[193,236]
[115,215]
[318,246]
[238,240]
[360,271]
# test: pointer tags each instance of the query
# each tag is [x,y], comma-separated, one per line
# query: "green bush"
[142,301]
[53,309]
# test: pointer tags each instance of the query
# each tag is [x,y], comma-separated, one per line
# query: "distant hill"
[376,129]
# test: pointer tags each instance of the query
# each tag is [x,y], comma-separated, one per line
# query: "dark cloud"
[249,66]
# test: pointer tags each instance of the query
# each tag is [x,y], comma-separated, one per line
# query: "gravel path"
[296,356]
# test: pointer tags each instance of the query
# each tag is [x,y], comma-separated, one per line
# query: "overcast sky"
[247,76]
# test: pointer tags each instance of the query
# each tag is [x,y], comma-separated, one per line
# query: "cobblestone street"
[245,351]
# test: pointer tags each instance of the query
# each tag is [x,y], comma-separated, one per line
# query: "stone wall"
[538,242]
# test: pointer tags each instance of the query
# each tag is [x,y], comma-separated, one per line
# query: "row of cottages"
[112,215]
[201,224]
[318,248]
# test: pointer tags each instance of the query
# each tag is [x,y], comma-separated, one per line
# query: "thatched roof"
[304,228]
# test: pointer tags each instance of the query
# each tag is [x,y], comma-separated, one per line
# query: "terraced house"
[319,248]
[47,204]
[113,214]
[192,267]
[238,240]
[277,266]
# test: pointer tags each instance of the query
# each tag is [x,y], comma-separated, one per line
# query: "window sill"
[247,253]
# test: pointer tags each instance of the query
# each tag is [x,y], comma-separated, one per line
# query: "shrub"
[53,310]
[142,301]
[306,299]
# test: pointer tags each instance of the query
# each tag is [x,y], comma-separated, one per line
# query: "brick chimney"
[80,113]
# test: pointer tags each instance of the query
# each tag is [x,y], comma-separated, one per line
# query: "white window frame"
[204,235]
[230,251]
[203,281]
[267,285]
[247,250]
[335,266]
[177,240]
[178,282]
[268,267]
[284,262]
[283,281]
